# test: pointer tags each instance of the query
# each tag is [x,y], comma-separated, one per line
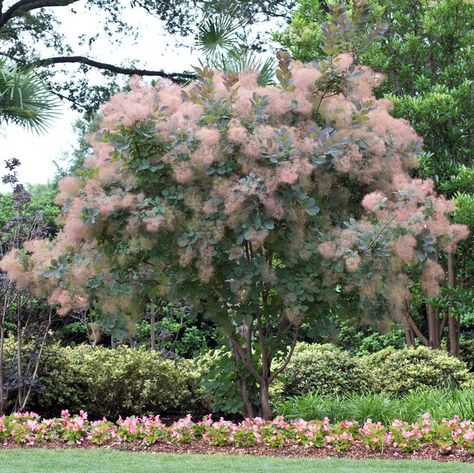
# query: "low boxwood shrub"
[112,382]
[402,371]
[325,369]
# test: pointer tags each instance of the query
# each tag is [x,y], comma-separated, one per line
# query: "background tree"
[426,55]
[25,319]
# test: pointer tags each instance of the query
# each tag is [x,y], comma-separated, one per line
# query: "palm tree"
[220,41]
[25,99]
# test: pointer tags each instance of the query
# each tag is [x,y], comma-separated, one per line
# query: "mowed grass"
[109,461]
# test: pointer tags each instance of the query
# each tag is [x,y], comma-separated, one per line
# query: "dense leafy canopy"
[427,57]
[256,205]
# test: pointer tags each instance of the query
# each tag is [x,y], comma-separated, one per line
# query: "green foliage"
[363,340]
[402,371]
[177,333]
[41,203]
[223,40]
[220,372]
[427,58]
[466,353]
[113,382]
[324,369]
[382,407]
[25,99]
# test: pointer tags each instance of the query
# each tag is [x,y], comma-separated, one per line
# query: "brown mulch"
[357,451]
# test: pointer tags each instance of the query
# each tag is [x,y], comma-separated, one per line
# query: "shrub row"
[126,381]
[447,435]
[113,382]
[327,370]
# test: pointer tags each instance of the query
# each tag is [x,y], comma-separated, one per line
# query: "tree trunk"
[453,336]
[433,327]
[244,395]
[453,321]
[153,328]
[265,410]
[409,335]
[19,373]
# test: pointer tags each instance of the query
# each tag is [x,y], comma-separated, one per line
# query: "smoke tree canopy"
[258,206]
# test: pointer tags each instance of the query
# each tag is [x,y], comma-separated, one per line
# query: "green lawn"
[106,461]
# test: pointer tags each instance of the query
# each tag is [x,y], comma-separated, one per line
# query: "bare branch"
[288,357]
[174,76]
[244,357]
[417,331]
[372,243]
[24,6]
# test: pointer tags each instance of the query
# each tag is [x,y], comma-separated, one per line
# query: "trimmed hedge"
[325,369]
[123,381]
[403,371]
[112,382]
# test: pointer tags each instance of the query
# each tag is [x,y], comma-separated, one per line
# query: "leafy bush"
[402,371]
[113,382]
[324,369]
[467,353]
[219,371]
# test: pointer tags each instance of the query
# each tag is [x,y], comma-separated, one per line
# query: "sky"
[153,50]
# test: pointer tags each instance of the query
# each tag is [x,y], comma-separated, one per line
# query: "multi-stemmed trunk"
[262,373]
[436,324]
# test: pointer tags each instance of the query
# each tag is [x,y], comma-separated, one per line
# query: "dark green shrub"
[324,369]
[467,353]
[113,382]
[402,371]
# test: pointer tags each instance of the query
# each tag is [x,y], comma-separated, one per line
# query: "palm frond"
[218,34]
[241,60]
[25,99]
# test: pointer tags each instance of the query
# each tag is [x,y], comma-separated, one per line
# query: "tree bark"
[433,327]
[453,321]
[265,409]
[24,6]
[244,395]
[409,335]
[153,327]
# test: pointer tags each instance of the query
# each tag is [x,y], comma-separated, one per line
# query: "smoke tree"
[258,206]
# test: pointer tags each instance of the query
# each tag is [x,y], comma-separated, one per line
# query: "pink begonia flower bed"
[448,437]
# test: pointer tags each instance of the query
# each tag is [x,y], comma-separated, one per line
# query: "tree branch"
[288,357]
[244,357]
[24,6]
[174,76]
[417,331]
